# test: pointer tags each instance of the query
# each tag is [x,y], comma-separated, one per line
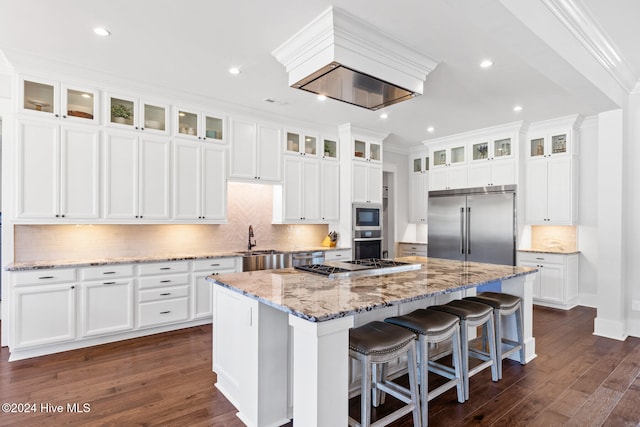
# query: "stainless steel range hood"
[344,58]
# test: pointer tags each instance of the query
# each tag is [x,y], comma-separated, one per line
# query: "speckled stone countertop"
[75,263]
[317,298]
[550,251]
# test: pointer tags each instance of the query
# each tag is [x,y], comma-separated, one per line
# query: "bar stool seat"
[472,314]
[434,327]
[379,343]
[504,305]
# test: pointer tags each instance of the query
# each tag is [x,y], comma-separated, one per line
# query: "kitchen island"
[280,337]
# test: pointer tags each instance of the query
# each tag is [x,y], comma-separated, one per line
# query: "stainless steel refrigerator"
[474,224]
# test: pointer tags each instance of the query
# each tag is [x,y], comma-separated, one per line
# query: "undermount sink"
[267,259]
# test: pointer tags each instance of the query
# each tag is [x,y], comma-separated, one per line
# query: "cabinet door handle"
[164,294]
[109,272]
[215,265]
[109,283]
[165,312]
[541,259]
[165,268]
[45,277]
[165,281]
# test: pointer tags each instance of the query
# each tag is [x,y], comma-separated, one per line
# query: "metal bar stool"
[433,327]
[379,342]
[472,314]
[504,305]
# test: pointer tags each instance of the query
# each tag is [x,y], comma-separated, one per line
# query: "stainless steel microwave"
[367,216]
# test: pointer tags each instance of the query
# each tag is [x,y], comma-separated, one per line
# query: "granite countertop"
[316,298]
[550,251]
[75,263]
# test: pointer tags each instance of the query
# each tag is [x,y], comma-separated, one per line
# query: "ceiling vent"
[344,58]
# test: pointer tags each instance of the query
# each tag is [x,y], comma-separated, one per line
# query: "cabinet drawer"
[160,294]
[538,258]
[338,255]
[106,272]
[163,281]
[163,268]
[215,264]
[159,312]
[43,277]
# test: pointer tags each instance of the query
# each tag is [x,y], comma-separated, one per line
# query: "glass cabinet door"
[330,149]
[417,165]
[559,143]
[293,142]
[213,127]
[122,111]
[187,123]
[502,147]
[79,103]
[359,149]
[426,164]
[39,96]
[310,145]
[375,152]
[480,150]
[155,117]
[440,158]
[457,155]
[537,147]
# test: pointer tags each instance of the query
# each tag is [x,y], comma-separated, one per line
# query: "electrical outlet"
[635,305]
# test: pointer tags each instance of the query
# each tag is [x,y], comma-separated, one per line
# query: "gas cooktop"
[359,267]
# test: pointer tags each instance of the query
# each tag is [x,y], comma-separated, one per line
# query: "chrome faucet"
[251,244]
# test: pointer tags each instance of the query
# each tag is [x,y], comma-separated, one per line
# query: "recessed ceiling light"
[430,129]
[101,31]
[487,63]
[234,70]
[384,115]
[517,108]
[322,97]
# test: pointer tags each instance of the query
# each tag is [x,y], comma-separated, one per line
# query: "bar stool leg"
[365,396]
[457,364]
[464,332]
[413,385]
[492,350]
[497,319]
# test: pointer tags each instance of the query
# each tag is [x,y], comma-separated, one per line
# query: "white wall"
[588,211]
[632,230]
[397,163]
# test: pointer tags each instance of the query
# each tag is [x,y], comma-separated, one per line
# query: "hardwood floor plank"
[627,411]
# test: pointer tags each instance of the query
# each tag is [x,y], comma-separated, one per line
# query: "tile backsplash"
[558,237]
[248,204]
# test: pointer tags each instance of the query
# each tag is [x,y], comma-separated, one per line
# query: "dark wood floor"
[577,379]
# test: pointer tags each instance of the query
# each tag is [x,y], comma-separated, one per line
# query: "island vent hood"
[344,58]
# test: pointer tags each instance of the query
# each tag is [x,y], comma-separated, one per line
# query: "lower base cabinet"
[556,284]
[106,307]
[412,249]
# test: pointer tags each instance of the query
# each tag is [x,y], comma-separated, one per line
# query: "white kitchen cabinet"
[556,284]
[329,191]
[301,189]
[131,113]
[106,306]
[369,151]
[419,188]
[197,125]
[202,289]
[330,148]
[447,178]
[43,308]
[164,294]
[57,171]
[55,100]
[550,197]
[136,176]
[491,172]
[256,154]
[338,255]
[366,182]
[302,143]
[550,143]
[199,181]
[412,249]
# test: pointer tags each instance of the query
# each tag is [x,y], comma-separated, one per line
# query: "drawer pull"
[165,312]
[165,268]
[164,294]
[165,281]
[541,259]
[109,283]
[215,265]
[338,255]
[45,277]
[109,272]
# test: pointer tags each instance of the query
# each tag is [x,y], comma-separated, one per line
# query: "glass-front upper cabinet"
[330,148]
[58,100]
[367,150]
[491,149]
[420,164]
[448,156]
[301,143]
[552,144]
[137,114]
[190,123]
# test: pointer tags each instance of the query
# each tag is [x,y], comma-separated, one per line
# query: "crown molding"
[577,19]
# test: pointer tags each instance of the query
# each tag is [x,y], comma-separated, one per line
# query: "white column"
[611,318]
[320,372]
[521,286]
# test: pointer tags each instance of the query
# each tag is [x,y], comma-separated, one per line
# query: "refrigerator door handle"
[469,231]
[462,234]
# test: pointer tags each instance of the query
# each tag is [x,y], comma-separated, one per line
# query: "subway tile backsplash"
[248,204]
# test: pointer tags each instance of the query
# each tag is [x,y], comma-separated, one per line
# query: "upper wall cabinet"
[191,123]
[132,113]
[330,148]
[553,143]
[58,100]
[367,151]
[256,153]
[491,162]
[304,144]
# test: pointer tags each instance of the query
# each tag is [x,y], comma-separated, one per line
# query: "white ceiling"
[188,45]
